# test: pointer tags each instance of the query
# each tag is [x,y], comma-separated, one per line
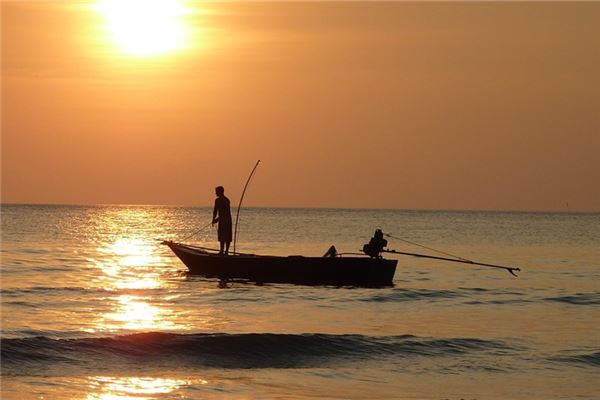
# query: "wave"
[63,290]
[498,302]
[472,296]
[400,294]
[584,360]
[250,350]
[591,298]
[42,289]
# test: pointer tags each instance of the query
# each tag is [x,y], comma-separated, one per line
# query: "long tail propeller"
[511,270]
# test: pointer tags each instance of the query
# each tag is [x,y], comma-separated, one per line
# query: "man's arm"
[215,211]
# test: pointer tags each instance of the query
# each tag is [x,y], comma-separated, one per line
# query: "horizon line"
[573,211]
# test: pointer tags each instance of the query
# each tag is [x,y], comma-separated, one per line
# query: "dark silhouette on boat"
[334,269]
[222,216]
[367,269]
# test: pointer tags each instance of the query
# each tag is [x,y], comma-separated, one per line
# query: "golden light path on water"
[138,388]
[130,258]
[140,283]
[132,271]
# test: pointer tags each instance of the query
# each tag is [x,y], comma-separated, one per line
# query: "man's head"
[220,191]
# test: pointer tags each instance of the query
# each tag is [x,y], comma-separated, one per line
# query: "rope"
[428,248]
[196,232]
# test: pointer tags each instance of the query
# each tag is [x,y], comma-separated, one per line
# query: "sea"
[93,306]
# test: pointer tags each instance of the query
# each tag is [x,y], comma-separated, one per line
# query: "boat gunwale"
[208,252]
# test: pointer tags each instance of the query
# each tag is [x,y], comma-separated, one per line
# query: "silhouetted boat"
[331,269]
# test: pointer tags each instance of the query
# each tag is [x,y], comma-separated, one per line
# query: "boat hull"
[299,270]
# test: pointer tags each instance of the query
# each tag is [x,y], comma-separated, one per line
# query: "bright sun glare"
[145,27]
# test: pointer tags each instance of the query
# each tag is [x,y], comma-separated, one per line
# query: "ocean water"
[94,307]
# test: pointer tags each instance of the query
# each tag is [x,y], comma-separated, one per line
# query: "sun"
[145,27]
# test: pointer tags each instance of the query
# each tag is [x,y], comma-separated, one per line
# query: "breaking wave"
[251,350]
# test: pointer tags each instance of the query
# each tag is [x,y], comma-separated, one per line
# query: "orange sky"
[394,105]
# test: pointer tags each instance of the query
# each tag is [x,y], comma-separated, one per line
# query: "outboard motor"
[375,245]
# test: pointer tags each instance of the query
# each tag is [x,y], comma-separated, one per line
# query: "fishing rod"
[196,232]
[237,215]
[464,261]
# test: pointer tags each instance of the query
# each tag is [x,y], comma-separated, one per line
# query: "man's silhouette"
[222,215]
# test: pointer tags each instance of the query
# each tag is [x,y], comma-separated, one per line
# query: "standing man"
[222,215]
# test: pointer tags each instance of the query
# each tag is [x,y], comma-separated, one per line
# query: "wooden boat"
[370,270]
[331,269]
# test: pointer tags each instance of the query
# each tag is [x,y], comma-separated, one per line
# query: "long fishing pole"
[464,261]
[196,232]
[237,215]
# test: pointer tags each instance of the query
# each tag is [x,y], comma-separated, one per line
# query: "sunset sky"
[492,106]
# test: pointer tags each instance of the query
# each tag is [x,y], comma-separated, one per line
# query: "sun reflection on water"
[135,313]
[130,263]
[134,267]
[138,388]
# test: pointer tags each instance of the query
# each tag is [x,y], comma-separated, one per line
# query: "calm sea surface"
[93,307]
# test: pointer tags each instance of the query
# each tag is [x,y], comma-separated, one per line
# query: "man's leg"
[227,247]
[222,244]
